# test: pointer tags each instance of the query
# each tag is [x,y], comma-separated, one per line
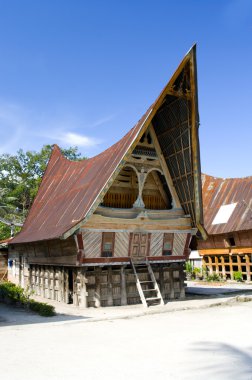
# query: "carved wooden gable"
[143,182]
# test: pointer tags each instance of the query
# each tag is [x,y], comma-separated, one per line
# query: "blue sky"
[83,73]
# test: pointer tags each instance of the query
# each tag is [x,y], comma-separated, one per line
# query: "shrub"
[10,292]
[41,308]
[214,277]
[238,276]
[188,267]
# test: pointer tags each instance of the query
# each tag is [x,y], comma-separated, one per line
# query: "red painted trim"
[166,258]
[105,260]
[108,260]
[80,241]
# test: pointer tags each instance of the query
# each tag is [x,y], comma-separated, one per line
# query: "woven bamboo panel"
[92,243]
[121,244]
[156,245]
[179,244]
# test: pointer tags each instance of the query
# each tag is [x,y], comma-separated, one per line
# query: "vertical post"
[30,277]
[210,265]
[161,281]
[83,289]
[53,283]
[75,295]
[231,267]
[248,268]
[43,282]
[60,284]
[216,259]
[66,280]
[181,283]
[239,263]
[110,287]
[171,283]
[223,267]
[123,287]
[97,296]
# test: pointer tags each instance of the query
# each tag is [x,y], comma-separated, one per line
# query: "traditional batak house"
[115,229]
[228,222]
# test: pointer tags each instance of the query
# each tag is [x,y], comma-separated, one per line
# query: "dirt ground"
[211,343]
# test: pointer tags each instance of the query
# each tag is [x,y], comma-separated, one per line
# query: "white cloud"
[71,138]
[28,129]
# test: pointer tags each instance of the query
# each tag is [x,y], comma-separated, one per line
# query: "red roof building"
[115,229]
[227,207]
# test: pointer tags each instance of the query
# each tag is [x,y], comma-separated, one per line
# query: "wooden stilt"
[248,268]
[97,295]
[123,287]
[110,287]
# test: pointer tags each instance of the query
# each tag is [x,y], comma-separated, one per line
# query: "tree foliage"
[20,177]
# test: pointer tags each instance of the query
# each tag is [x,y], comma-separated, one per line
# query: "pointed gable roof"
[71,191]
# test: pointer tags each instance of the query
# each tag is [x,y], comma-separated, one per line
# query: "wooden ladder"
[148,290]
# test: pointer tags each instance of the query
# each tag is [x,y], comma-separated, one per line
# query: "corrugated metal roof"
[218,192]
[69,190]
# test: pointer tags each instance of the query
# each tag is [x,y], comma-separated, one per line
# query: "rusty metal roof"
[219,192]
[68,190]
[71,191]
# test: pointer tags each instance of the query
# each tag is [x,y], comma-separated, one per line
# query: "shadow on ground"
[229,362]
[206,291]
[14,316]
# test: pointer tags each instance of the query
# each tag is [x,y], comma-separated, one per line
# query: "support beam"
[123,287]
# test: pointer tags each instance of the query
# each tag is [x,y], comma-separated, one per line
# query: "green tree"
[20,177]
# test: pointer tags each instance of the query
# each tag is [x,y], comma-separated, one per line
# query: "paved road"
[213,343]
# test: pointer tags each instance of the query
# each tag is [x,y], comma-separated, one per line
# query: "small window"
[167,244]
[231,242]
[108,239]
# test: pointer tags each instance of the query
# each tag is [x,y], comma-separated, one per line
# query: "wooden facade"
[228,221]
[115,229]
[226,254]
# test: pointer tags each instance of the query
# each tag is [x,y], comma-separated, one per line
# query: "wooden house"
[4,259]
[228,222]
[115,229]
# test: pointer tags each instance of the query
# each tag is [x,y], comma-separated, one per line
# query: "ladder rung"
[153,299]
[149,290]
[145,282]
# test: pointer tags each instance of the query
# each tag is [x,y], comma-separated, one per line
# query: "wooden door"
[139,245]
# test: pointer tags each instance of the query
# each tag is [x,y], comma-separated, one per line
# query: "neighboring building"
[228,221]
[4,259]
[115,229]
